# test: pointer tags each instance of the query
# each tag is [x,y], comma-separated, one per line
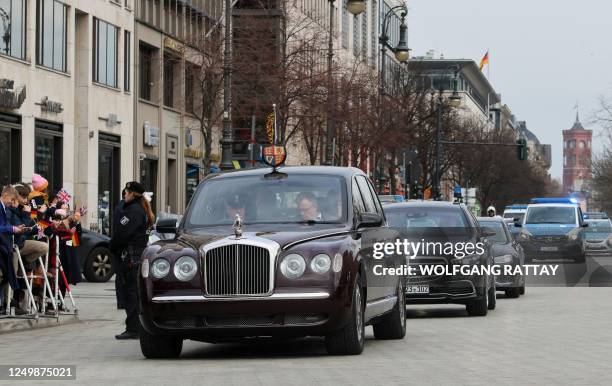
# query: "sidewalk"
[95,301]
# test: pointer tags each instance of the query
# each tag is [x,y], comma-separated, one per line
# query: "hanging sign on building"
[151,135]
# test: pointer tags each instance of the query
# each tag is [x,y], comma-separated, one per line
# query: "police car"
[552,229]
[514,214]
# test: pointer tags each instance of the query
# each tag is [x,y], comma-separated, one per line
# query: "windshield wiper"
[312,222]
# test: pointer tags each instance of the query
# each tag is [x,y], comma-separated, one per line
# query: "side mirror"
[166,225]
[369,220]
[487,232]
[585,225]
[518,225]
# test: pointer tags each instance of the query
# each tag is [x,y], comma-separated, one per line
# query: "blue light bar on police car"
[517,206]
[554,200]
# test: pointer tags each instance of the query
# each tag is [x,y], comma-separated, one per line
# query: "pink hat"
[39,183]
[61,212]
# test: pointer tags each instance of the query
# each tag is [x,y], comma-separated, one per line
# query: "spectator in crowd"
[8,200]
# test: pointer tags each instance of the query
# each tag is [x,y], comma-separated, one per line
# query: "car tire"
[492,296]
[522,289]
[351,338]
[479,306]
[159,347]
[97,267]
[513,292]
[393,325]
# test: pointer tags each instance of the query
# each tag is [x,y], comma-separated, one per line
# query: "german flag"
[75,238]
[43,224]
[484,61]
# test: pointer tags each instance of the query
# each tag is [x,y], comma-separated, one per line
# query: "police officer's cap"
[135,186]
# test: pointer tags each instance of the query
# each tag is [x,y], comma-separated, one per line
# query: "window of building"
[105,39]
[572,143]
[146,61]
[51,24]
[171,65]
[356,36]
[345,24]
[10,148]
[193,90]
[581,144]
[374,35]
[127,60]
[364,33]
[48,153]
[13,22]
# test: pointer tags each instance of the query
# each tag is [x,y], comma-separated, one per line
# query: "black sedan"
[438,224]
[95,257]
[506,251]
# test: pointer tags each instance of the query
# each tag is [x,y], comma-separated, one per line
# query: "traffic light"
[521,149]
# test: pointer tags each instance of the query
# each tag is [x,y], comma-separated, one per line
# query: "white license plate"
[549,249]
[418,289]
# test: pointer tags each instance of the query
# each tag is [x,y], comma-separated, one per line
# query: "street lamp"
[355,7]
[228,138]
[454,101]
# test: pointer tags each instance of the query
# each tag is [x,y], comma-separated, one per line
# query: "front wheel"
[393,325]
[98,267]
[351,338]
[159,347]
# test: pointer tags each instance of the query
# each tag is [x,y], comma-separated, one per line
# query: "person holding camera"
[132,222]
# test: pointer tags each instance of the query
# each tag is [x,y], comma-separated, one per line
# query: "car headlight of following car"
[185,268]
[293,266]
[160,268]
[573,235]
[609,241]
[321,263]
[525,236]
[503,259]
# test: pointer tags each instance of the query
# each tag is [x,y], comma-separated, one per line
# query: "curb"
[10,325]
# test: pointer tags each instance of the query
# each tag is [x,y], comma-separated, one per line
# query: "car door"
[377,284]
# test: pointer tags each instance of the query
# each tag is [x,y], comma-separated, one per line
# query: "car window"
[256,199]
[416,216]
[368,201]
[551,215]
[500,234]
[358,205]
[374,197]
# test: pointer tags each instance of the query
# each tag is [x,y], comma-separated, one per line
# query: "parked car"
[598,237]
[506,251]
[261,253]
[595,216]
[95,256]
[436,221]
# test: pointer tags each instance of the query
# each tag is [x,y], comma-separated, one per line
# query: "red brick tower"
[576,157]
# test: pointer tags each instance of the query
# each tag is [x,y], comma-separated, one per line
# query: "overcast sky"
[545,55]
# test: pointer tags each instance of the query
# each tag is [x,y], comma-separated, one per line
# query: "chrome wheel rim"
[101,264]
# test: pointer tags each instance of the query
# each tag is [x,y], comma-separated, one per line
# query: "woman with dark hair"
[132,222]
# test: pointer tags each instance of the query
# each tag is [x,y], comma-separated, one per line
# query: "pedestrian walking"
[132,222]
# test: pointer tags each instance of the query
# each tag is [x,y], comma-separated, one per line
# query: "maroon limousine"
[272,253]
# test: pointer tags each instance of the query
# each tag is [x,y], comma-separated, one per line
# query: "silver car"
[598,237]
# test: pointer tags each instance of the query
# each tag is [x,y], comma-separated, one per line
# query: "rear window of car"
[500,234]
[424,217]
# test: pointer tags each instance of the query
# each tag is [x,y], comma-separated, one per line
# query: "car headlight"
[525,236]
[160,268]
[321,263]
[337,267]
[293,266]
[610,242]
[573,235]
[502,259]
[144,268]
[185,268]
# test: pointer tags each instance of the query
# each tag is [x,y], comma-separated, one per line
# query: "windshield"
[500,235]
[551,215]
[518,216]
[259,200]
[430,222]
[599,226]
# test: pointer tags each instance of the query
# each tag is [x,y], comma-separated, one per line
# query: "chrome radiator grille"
[234,270]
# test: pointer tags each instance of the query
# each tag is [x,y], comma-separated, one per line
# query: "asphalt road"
[552,335]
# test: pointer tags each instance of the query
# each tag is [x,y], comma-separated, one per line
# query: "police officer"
[131,224]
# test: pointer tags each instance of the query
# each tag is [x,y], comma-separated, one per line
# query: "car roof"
[554,205]
[423,204]
[321,170]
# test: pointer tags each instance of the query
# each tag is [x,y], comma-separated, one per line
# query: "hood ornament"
[237,226]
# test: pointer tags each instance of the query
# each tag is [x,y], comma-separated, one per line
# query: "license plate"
[418,289]
[549,249]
